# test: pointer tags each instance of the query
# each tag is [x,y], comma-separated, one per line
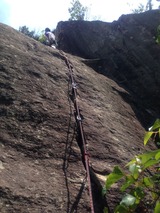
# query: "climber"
[50,37]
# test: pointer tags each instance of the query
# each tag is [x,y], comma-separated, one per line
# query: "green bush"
[141,183]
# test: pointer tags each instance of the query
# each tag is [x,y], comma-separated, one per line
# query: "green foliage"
[153,132]
[77,11]
[116,175]
[37,36]
[141,182]
[158,35]
[142,8]
[42,39]
[157,208]
[25,30]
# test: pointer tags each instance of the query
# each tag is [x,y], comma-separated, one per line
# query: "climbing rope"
[85,154]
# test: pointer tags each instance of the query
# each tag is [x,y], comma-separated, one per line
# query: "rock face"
[125,51]
[40,160]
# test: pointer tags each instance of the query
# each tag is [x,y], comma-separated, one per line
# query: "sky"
[37,15]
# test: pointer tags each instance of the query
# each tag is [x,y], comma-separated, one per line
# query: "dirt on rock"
[40,161]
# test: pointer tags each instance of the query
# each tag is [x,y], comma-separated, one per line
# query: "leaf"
[148,155]
[113,177]
[103,191]
[136,161]
[154,196]
[129,180]
[147,136]
[156,125]
[150,163]
[158,38]
[157,208]
[135,170]
[156,178]
[128,200]
[131,162]
[157,157]
[132,168]
[148,182]
[121,209]
[139,194]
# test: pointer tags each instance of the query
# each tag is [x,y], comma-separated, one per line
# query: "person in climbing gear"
[50,37]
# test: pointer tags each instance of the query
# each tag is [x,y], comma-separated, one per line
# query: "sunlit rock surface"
[118,94]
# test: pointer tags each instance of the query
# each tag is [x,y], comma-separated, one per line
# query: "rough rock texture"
[40,162]
[124,51]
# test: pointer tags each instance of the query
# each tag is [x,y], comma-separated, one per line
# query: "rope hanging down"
[85,155]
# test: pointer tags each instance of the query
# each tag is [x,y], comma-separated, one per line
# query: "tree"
[77,11]
[25,30]
[142,8]
[149,5]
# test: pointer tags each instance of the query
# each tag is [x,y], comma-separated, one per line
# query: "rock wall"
[125,51]
[40,161]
